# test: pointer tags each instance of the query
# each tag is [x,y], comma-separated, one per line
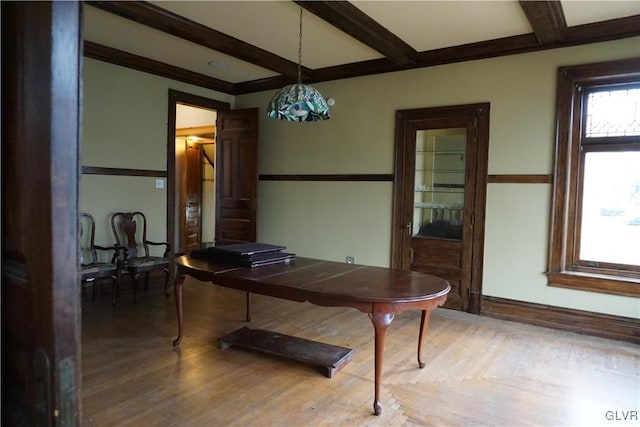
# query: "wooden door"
[41,51]
[236,176]
[175,167]
[191,226]
[439,197]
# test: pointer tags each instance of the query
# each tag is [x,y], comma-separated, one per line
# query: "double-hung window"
[595,220]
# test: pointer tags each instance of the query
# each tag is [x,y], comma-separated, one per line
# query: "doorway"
[439,197]
[190,169]
[195,171]
[236,172]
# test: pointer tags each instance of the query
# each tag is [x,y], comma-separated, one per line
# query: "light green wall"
[517,219]
[328,220]
[125,126]
[125,119]
[103,195]
[332,220]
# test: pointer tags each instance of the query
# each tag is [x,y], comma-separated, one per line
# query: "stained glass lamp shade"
[298,102]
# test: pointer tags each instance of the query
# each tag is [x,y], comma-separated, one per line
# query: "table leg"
[380,323]
[424,324]
[177,291]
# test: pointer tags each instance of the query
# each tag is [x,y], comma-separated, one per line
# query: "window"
[595,220]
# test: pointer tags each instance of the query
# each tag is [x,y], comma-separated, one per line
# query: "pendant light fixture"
[298,102]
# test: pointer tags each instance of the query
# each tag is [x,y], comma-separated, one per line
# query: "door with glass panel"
[439,194]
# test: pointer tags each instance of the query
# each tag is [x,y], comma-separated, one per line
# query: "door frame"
[479,113]
[173,187]
[41,117]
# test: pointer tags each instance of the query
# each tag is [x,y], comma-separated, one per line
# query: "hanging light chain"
[300,50]
[299,102]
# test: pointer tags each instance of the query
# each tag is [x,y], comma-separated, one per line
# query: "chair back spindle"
[92,270]
[125,230]
[88,253]
[130,231]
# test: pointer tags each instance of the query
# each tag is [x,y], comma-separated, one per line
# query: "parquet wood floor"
[480,371]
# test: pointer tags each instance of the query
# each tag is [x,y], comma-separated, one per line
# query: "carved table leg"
[380,323]
[424,324]
[177,291]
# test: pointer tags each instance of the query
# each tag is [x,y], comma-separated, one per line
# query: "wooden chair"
[91,269]
[137,260]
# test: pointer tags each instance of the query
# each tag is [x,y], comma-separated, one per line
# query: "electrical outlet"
[159,183]
[350,259]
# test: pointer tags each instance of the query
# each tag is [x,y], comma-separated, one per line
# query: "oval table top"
[319,278]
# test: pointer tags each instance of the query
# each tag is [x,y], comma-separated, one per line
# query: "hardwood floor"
[480,371]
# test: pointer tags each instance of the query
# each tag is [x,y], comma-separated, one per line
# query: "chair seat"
[147,261]
[98,267]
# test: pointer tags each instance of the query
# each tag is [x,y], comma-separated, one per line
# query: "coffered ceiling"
[246,46]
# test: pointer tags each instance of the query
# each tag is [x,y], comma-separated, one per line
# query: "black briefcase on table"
[252,254]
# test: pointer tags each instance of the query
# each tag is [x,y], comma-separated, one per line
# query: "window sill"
[606,284]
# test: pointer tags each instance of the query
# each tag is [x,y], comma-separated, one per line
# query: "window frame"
[565,269]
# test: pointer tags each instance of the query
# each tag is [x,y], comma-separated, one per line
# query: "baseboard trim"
[581,322]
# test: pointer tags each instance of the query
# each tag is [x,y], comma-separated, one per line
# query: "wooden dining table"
[380,292]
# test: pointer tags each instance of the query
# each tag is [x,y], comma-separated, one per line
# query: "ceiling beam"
[613,29]
[179,26]
[140,63]
[351,20]
[468,52]
[546,19]
[577,35]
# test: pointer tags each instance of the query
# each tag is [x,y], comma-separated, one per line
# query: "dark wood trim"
[482,115]
[564,269]
[140,63]
[567,319]
[267,83]
[624,69]
[404,58]
[348,18]
[155,17]
[96,170]
[476,117]
[574,36]
[615,285]
[520,179]
[468,52]
[401,154]
[560,191]
[546,19]
[328,177]
[197,101]
[596,32]
[41,110]
[176,97]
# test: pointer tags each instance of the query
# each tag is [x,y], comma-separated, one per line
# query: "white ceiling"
[273,26]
